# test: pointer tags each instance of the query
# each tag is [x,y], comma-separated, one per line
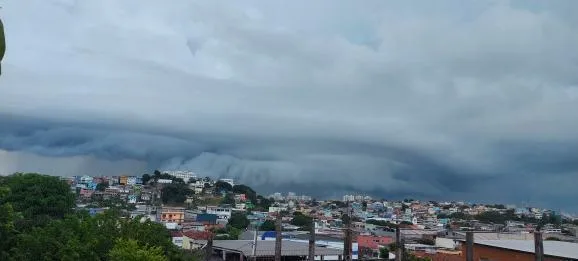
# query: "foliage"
[263,203]
[101,186]
[381,223]
[239,220]
[227,233]
[66,235]
[302,221]
[229,199]
[38,198]
[7,229]
[175,193]
[145,178]
[223,186]
[384,253]
[248,191]
[552,239]
[268,225]
[130,250]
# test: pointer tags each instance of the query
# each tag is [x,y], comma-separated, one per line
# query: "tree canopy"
[267,225]
[175,193]
[239,220]
[65,234]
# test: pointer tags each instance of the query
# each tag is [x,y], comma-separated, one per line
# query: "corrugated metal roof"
[267,248]
[551,248]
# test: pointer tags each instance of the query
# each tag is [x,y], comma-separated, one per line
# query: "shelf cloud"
[434,99]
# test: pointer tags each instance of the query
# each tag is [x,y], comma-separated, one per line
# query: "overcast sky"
[472,100]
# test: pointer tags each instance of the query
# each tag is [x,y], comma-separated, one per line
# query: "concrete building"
[182,174]
[172,215]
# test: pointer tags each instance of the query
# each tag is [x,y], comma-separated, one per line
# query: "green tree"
[130,250]
[229,199]
[38,198]
[302,221]
[146,178]
[7,229]
[223,186]
[175,193]
[101,186]
[239,220]
[384,253]
[268,225]
[248,191]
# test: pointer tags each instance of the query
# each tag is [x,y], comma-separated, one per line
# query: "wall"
[498,254]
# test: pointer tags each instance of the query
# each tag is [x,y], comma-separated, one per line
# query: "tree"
[145,178]
[101,186]
[384,253]
[7,229]
[302,221]
[229,199]
[38,198]
[130,250]
[175,193]
[223,186]
[248,191]
[239,220]
[268,225]
[364,205]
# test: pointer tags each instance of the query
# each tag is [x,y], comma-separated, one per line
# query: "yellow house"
[172,215]
[123,180]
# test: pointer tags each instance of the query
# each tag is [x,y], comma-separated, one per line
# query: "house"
[373,243]
[522,250]
[222,213]
[172,214]
[123,180]
[207,219]
[191,239]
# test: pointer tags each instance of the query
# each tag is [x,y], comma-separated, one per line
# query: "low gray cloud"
[445,99]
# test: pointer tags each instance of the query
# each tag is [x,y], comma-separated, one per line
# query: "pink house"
[373,242]
[86,193]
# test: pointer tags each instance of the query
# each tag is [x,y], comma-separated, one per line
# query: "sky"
[446,100]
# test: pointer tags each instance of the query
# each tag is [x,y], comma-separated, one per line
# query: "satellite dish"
[2,44]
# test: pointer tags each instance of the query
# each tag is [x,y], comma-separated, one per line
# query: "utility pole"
[209,248]
[254,252]
[470,246]
[278,238]
[312,241]
[538,245]
[347,248]
[398,250]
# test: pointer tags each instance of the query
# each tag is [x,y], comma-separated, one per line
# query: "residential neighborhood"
[197,209]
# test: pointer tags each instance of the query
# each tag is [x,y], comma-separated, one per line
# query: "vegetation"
[268,225]
[381,223]
[38,222]
[221,186]
[130,250]
[384,253]
[239,220]
[302,221]
[175,193]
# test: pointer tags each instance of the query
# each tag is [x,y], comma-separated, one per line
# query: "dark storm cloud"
[445,99]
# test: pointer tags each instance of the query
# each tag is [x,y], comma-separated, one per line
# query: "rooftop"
[267,248]
[551,248]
